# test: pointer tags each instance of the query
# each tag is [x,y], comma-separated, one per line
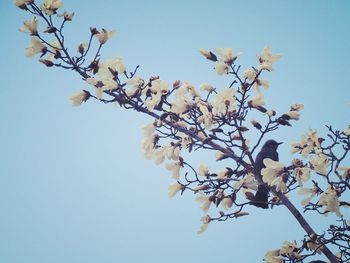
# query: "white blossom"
[104,35]
[206,87]
[272,170]
[345,170]
[205,222]
[266,59]
[79,97]
[204,200]
[30,26]
[311,192]
[250,74]
[320,163]
[35,47]
[330,200]
[302,174]
[221,68]
[247,181]
[227,55]
[50,6]
[224,101]
[273,256]
[23,3]
[174,189]
[203,170]
[174,168]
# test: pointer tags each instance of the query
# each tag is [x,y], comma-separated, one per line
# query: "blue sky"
[74,186]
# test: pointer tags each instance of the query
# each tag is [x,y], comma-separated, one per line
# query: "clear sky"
[74,186]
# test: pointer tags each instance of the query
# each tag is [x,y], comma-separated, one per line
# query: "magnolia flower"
[250,74]
[30,26]
[222,174]
[104,35]
[205,202]
[23,3]
[67,16]
[247,181]
[329,198]
[79,97]
[50,6]
[347,131]
[174,168]
[261,82]
[105,67]
[270,113]
[320,164]
[266,59]
[35,47]
[227,203]
[205,220]
[289,249]
[346,171]
[311,192]
[172,152]
[257,101]
[297,107]
[203,170]
[224,101]
[227,55]
[280,184]
[181,102]
[293,115]
[206,87]
[221,68]
[273,256]
[272,170]
[220,156]
[302,174]
[308,143]
[174,188]
[209,55]
[136,81]
[185,140]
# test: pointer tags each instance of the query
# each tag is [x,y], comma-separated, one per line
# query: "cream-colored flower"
[174,168]
[221,68]
[79,97]
[136,81]
[311,192]
[50,6]
[227,203]
[174,189]
[293,115]
[280,184]
[297,107]
[209,55]
[330,200]
[347,131]
[273,256]
[182,102]
[266,59]
[204,200]
[289,249]
[320,163]
[223,174]
[203,170]
[205,220]
[308,143]
[272,170]
[220,156]
[30,26]
[206,87]
[104,35]
[250,74]
[35,47]
[224,102]
[227,55]
[247,181]
[23,3]
[67,16]
[257,101]
[346,172]
[302,174]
